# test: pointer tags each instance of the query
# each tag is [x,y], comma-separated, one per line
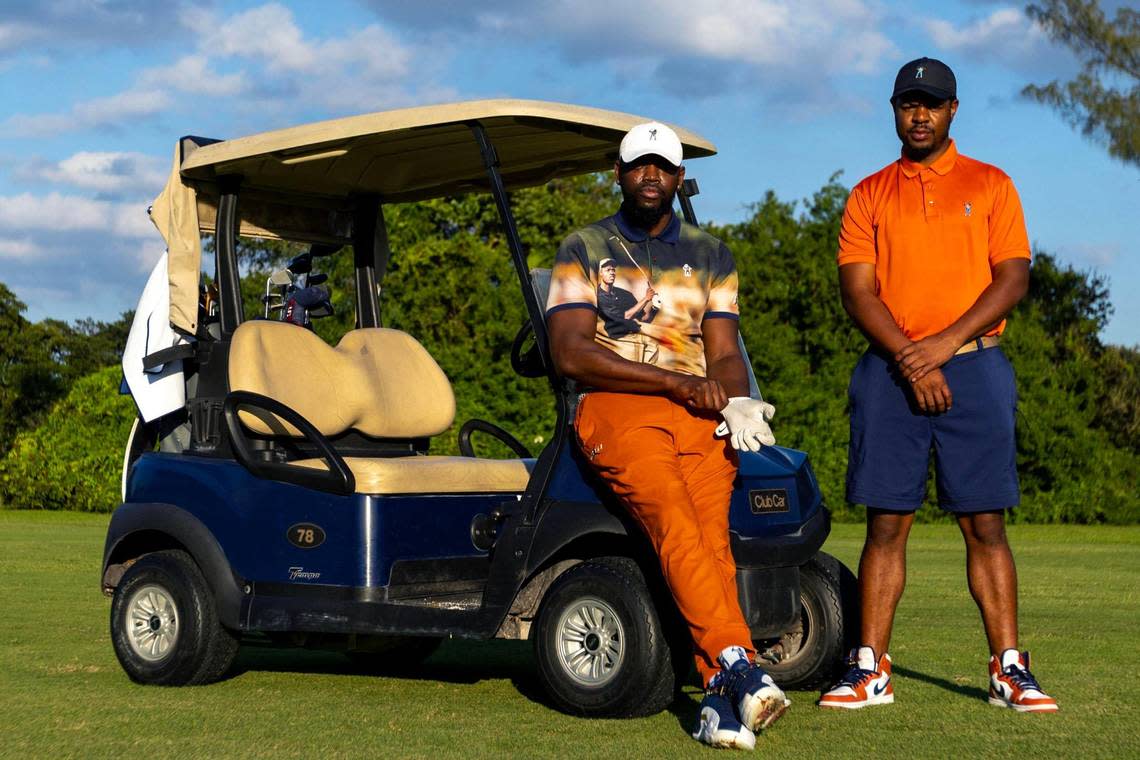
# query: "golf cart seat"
[377,381]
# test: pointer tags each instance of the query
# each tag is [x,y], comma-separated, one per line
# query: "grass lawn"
[63,694]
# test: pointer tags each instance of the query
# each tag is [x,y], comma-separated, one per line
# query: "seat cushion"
[433,474]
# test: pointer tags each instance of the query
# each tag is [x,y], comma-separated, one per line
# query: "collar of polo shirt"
[941,166]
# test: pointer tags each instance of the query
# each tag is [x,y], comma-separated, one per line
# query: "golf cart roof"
[303,183]
[417,153]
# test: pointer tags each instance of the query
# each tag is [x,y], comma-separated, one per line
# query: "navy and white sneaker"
[717,725]
[759,702]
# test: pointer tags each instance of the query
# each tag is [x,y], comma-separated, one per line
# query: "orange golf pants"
[675,479]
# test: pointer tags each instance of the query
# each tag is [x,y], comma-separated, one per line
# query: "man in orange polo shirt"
[933,254]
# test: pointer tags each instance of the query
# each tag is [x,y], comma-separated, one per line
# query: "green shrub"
[73,459]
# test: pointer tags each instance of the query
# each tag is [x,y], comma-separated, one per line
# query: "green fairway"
[63,693]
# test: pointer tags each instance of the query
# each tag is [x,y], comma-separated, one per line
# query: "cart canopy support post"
[370,257]
[225,256]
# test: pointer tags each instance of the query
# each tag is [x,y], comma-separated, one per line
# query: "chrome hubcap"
[794,641]
[152,623]
[591,641]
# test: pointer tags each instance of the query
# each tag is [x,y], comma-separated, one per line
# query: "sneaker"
[865,683]
[1015,687]
[718,726]
[758,700]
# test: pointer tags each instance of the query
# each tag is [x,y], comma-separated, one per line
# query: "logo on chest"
[967,208]
[688,270]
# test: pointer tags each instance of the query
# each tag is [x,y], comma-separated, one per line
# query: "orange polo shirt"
[934,235]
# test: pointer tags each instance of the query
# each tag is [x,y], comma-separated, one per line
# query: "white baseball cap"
[651,138]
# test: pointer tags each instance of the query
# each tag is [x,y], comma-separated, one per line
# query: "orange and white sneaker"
[1013,686]
[867,682]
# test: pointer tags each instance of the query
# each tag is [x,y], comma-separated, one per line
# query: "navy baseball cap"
[927,75]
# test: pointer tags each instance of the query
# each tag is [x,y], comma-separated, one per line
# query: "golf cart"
[266,498]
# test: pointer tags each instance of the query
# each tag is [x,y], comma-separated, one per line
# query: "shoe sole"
[761,711]
[999,702]
[728,740]
[882,699]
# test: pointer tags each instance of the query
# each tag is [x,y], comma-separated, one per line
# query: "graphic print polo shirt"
[692,274]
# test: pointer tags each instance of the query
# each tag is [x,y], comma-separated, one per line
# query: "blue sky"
[96,92]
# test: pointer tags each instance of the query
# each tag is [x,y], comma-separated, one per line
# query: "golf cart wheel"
[808,655]
[164,626]
[599,643]
[392,653]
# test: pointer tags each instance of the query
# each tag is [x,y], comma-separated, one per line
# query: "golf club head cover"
[312,296]
[746,422]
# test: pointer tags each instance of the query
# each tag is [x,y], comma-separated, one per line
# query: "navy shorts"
[975,453]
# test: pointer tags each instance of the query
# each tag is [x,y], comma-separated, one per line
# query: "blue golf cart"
[277,488]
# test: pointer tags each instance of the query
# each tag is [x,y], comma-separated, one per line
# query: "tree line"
[450,283]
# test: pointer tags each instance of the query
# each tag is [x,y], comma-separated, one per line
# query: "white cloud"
[15,34]
[262,57]
[53,211]
[124,105]
[371,52]
[835,35]
[131,220]
[763,32]
[268,33]
[63,24]
[1006,35]
[18,249]
[783,51]
[56,212]
[1097,255]
[145,255]
[366,68]
[193,74]
[96,113]
[103,172]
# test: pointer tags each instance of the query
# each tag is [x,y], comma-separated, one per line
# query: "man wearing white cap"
[649,417]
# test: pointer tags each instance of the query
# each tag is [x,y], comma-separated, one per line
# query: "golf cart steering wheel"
[495,431]
[528,362]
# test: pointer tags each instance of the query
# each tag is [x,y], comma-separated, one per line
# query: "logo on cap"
[653,134]
[918,74]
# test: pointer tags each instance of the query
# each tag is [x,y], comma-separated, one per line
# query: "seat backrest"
[377,381]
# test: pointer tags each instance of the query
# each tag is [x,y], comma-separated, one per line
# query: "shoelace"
[855,676]
[1021,678]
[726,682]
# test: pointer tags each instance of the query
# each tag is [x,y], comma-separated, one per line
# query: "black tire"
[185,644]
[392,653]
[599,643]
[809,655]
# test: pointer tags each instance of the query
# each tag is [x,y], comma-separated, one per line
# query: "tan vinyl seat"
[377,381]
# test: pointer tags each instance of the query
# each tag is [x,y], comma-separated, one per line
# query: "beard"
[645,217]
[917,153]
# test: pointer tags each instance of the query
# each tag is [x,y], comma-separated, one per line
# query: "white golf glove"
[746,420]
